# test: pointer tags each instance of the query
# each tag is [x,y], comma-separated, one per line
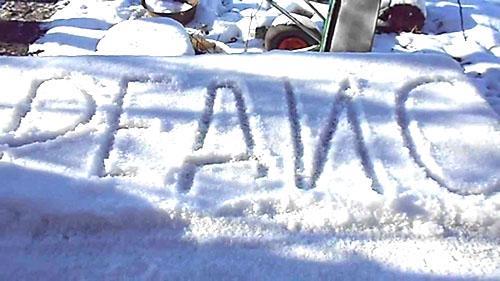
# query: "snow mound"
[68,41]
[146,37]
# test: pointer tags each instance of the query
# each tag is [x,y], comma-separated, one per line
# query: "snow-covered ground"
[379,166]
[278,166]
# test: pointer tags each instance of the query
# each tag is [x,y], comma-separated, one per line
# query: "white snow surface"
[379,166]
[382,166]
[167,6]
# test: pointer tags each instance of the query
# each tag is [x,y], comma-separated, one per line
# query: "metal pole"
[315,10]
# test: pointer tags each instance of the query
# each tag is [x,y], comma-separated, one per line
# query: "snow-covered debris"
[208,11]
[385,165]
[146,37]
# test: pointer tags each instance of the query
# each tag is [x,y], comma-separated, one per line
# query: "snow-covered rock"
[146,37]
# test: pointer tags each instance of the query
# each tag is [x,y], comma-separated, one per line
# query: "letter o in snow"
[146,37]
[454,137]
[58,107]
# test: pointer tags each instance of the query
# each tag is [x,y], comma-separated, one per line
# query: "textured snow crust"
[378,166]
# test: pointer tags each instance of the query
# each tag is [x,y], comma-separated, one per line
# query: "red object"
[402,18]
[292,43]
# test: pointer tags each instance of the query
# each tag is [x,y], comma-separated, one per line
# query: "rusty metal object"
[183,17]
[402,18]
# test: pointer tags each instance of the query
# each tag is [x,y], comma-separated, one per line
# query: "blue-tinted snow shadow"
[74,40]
[444,16]
[40,202]
[84,23]
[229,260]
[88,228]
[137,255]
[78,41]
